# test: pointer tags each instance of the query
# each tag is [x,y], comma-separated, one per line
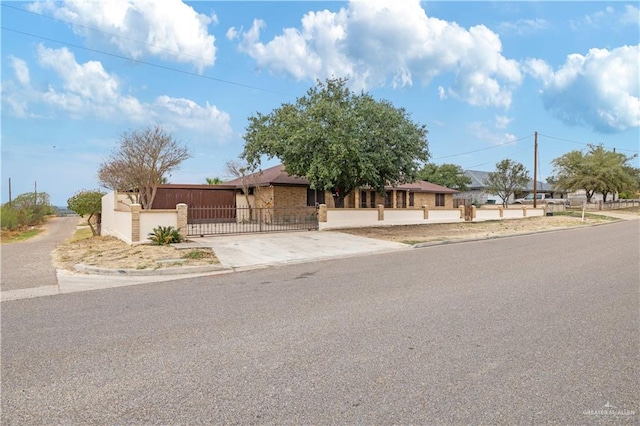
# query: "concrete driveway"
[238,251]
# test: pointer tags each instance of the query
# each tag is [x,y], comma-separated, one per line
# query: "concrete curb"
[184,270]
[496,237]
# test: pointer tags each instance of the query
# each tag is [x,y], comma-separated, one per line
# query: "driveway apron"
[28,264]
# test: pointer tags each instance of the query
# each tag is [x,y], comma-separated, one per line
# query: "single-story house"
[477,192]
[274,187]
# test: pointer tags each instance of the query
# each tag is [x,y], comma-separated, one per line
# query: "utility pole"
[535,169]
[9,192]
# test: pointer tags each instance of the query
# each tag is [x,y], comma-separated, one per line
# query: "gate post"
[322,213]
[182,211]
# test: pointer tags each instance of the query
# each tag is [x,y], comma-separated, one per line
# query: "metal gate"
[203,221]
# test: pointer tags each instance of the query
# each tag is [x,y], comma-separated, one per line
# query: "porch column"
[394,200]
[356,197]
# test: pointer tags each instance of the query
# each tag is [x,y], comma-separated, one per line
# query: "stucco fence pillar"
[425,212]
[183,212]
[135,222]
[322,213]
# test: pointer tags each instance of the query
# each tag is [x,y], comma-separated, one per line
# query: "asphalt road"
[531,329]
[28,264]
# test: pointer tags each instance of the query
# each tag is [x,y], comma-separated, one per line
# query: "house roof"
[277,175]
[423,186]
[478,179]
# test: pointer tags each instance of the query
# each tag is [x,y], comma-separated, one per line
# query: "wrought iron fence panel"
[241,220]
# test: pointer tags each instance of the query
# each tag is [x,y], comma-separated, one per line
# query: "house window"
[439,200]
[373,199]
[411,200]
[315,197]
[363,199]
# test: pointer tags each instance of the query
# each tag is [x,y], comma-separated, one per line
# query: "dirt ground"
[413,234]
[109,252]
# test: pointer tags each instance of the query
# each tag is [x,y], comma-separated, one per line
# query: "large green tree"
[508,177]
[143,160]
[595,171]
[339,140]
[449,175]
[88,204]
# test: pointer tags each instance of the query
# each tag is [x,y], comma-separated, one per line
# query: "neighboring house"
[478,194]
[274,187]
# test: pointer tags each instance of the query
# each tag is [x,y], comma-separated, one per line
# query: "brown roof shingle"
[277,175]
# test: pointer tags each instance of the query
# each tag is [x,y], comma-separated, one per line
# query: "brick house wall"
[422,199]
[289,196]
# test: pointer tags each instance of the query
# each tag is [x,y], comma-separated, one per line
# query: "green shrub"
[163,235]
[9,218]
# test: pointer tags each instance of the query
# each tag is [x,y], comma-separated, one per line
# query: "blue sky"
[482,76]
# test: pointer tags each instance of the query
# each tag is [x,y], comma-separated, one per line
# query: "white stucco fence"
[115,222]
[118,219]
[359,218]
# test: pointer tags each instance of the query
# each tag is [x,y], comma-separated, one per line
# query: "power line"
[585,143]
[112,34]
[482,149]
[164,67]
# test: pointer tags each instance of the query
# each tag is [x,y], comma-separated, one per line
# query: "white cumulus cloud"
[483,131]
[87,90]
[388,43]
[524,26]
[169,29]
[20,69]
[609,17]
[599,90]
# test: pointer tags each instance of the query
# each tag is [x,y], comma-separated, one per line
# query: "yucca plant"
[163,235]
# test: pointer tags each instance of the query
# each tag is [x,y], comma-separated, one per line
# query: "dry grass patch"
[413,234]
[110,252]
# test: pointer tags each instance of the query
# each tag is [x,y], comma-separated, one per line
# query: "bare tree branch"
[142,161]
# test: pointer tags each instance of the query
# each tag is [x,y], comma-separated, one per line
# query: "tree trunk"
[339,200]
[589,195]
[94,232]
